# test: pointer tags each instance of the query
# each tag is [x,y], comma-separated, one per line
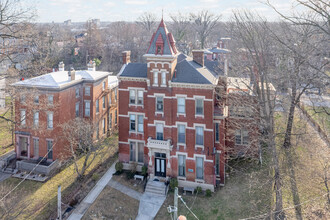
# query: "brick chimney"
[198,56]
[91,66]
[126,57]
[72,74]
[61,66]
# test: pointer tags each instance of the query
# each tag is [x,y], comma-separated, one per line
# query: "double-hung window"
[217,134]
[50,99]
[50,120]
[36,99]
[163,78]
[181,134]
[159,104]
[181,105]
[241,136]
[140,97]
[36,119]
[159,131]
[103,86]
[23,117]
[136,153]
[77,109]
[87,108]
[199,107]
[136,123]
[50,149]
[136,97]
[103,125]
[155,78]
[36,147]
[110,120]
[103,102]
[97,106]
[199,135]
[182,165]
[199,168]
[132,96]
[217,164]
[87,90]
[77,92]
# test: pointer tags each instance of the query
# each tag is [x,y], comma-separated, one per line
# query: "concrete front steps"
[156,187]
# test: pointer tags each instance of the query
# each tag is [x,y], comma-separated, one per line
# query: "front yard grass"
[39,200]
[113,204]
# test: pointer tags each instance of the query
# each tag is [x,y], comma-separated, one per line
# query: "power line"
[292,207]
[1,200]
[188,208]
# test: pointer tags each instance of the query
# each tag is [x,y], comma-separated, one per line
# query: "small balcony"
[159,144]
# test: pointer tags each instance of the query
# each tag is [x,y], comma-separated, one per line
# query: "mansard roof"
[139,70]
[163,37]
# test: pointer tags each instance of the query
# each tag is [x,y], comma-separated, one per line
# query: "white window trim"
[50,112]
[76,109]
[156,111]
[185,106]
[104,102]
[197,145]
[136,97]
[76,92]
[186,155]
[161,83]
[52,100]
[20,117]
[97,112]
[154,72]
[136,123]
[34,125]
[85,108]
[136,151]
[203,99]
[215,130]
[89,90]
[185,130]
[195,158]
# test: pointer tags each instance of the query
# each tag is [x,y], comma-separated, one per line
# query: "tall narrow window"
[140,97]
[77,109]
[36,147]
[103,125]
[97,106]
[181,105]
[163,78]
[103,86]
[199,107]
[87,109]
[103,102]
[110,98]
[36,119]
[116,92]
[132,123]
[245,136]
[132,96]
[50,99]
[182,134]
[156,78]
[115,116]
[132,151]
[50,120]
[217,164]
[199,135]
[87,90]
[217,132]
[110,120]
[36,99]
[77,92]
[140,123]
[23,117]
[182,165]
[50,149]
[159,131]
[199,168]
[159,104]
[140,152]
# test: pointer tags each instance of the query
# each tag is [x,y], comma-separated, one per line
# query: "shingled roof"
[135,70]
[162,36]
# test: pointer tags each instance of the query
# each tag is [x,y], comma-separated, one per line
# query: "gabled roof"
[164,37]
[58,80]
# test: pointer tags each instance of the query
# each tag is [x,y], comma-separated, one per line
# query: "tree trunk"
[288,132]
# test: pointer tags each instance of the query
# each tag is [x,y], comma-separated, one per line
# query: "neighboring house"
[47,101]
[173,116]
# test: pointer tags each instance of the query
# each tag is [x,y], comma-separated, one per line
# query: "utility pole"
[175,215]
[59,211]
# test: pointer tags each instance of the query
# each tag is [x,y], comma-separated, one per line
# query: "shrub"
[119,167]
[95,177]
[144,170]
[130,175]
[208,193]
[173,183]
[198,189]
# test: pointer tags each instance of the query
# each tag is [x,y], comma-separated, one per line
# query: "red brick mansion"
[174,117]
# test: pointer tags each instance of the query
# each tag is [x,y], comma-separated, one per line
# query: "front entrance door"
[160,165]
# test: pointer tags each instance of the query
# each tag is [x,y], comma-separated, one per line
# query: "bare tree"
[147,20]
[80,135]
[204,23]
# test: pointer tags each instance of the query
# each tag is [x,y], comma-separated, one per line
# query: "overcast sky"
[129,10]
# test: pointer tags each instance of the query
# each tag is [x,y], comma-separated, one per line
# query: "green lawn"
[38,200]
[321,117]
[5,134]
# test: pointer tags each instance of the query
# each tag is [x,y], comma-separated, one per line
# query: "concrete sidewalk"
[150,204]
[4,176]
[126,190]
[81,209]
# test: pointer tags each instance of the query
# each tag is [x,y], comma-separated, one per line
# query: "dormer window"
[159,49]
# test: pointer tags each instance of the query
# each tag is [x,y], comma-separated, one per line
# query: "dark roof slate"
[135,70]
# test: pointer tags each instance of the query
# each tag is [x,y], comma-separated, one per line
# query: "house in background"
[49,100]
[174,118]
